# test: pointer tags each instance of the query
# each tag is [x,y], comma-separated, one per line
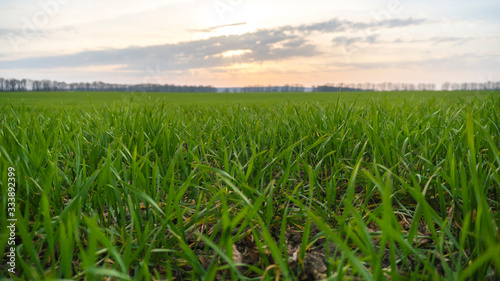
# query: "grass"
[79,99]
[338,190]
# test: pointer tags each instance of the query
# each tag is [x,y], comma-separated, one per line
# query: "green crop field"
[264,186]
[55,99]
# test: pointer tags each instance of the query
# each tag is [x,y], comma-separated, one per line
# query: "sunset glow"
[284,41]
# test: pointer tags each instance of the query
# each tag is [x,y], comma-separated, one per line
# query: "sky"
[230,43]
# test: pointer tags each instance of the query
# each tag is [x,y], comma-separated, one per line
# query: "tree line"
[269,88]
[27,85]
[447,86]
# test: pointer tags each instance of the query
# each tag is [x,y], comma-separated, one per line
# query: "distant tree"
[384,86]
[21,87]
[13,85]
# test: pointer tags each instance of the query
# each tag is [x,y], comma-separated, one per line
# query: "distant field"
[108,98]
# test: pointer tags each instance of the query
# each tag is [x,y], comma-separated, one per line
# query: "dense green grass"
[108,98]
[373,190]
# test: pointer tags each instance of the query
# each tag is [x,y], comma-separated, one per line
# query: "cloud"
[440,40]
[393,23]
[20,32]
[263,45]
[333,25]
[211,29]
[336,25]
[487,60]
[347,41]
[455,40]
[29,33]
[360,26]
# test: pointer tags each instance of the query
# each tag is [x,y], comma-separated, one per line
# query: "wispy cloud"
[20,32]
[347,41]
[32,32]
[451,61]
[454,40]
[213,28]
[336,25]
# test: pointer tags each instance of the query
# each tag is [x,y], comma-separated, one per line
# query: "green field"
[109,98]
[267,186]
